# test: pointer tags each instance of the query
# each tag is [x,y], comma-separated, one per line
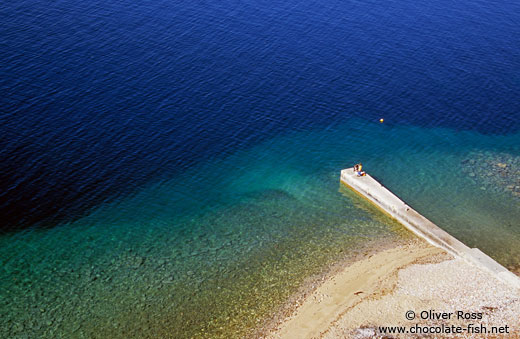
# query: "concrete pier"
[380,196]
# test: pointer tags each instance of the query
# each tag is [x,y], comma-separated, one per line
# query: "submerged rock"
[496,172]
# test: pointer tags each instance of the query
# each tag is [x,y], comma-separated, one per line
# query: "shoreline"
[314,282]
[389,203]
[379,289]
[435,271]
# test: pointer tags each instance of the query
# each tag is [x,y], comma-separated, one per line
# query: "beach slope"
[380,289]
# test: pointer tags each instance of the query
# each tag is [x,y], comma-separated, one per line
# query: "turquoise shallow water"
[212,251]
[171,168]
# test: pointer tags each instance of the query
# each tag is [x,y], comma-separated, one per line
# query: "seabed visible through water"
[215,250]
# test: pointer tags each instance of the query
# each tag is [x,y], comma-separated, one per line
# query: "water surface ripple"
[161,160]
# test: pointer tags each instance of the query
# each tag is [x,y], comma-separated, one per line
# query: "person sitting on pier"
[358,169]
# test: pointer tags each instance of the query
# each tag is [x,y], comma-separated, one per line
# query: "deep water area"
[171,168]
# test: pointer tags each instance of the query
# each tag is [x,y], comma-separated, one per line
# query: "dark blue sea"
[171,168]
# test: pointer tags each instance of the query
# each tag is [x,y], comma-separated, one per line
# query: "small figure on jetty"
[358,169]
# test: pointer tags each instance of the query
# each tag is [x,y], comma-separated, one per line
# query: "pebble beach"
[413,277]
[169,169]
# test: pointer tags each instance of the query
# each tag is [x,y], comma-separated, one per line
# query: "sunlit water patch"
[185,156]
[216,274]
[214,251]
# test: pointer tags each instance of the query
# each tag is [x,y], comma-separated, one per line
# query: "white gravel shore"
[435,290]
[447,287]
